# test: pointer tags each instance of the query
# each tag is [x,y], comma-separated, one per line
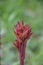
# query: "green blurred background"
[31,12]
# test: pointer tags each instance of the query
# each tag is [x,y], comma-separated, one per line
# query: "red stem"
[22,53]
[21,61]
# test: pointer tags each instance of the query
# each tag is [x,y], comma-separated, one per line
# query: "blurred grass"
[12,11]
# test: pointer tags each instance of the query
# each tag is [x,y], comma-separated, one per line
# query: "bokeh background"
[31,12]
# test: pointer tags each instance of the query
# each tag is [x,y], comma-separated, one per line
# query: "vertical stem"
[21,61]
[22,55]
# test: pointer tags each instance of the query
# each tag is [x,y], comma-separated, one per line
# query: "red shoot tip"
[23,33]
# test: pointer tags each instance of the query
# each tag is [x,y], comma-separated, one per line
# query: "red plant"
[23,33]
